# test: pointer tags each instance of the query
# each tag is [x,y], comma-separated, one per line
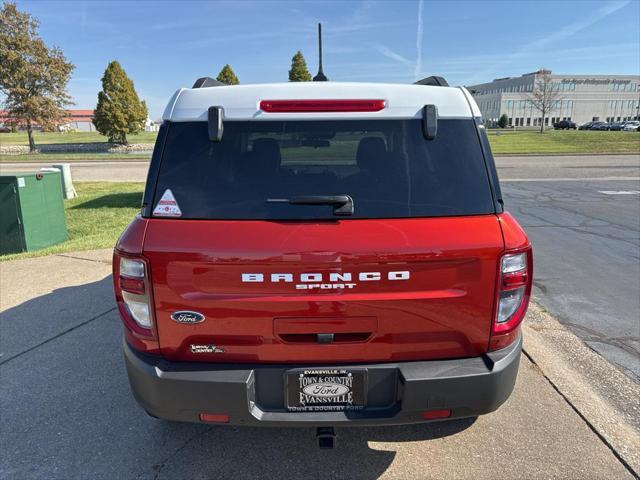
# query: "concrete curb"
[90,147]
[125,158]
[602,395]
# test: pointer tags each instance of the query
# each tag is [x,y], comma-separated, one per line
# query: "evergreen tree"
[119,111]
[503,121]
[227,76]
[33,77]
[299,72]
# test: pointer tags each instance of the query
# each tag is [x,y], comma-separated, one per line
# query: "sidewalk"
[67,411]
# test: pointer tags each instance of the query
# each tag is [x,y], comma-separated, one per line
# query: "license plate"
[326,390]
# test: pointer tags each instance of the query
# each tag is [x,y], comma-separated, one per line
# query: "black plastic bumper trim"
[254,394]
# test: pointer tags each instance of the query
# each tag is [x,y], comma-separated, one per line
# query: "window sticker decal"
[167,206]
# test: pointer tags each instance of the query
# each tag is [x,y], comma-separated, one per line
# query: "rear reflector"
[133,285]
[214,417]
[513,280]
[302,106]
[433,414]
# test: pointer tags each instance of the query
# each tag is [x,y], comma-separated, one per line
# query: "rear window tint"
[386,166]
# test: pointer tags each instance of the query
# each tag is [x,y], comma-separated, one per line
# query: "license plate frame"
[325,389]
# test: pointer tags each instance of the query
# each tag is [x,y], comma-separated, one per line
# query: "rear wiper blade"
[343,203]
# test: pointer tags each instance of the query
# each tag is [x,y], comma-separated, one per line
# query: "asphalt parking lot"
[586,238]
[67,412]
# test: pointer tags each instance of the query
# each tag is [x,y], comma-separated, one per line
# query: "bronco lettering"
[320,277]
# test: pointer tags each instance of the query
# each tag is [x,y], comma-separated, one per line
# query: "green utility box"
[31,211]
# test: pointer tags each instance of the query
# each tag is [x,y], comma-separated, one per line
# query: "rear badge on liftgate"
[187,317]
[322,281]
[208,348]
[167,206]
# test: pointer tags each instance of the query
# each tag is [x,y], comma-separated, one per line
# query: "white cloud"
[554,38]
[387,52]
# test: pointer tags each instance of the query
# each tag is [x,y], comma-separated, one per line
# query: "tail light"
[513,293]
[133,294]
[305,106]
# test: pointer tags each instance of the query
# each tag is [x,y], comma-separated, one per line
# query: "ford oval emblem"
[187,317]
[325,389]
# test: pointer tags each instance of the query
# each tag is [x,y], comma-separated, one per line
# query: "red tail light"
[303,106]
[132,287]
[515,278]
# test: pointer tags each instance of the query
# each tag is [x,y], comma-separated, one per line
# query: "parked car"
[599,126]
[586,126]
[322,254]
[616,126]
[631,126]
[565,125]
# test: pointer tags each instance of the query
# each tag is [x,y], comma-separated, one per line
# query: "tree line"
[34,78]
[298,73]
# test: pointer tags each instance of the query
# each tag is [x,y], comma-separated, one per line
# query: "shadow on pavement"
[68,412]
[43,318]
[292,453]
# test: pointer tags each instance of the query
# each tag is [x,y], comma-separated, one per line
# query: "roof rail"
[207,82]
[434,81]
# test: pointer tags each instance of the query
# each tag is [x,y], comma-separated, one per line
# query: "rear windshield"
[387,167]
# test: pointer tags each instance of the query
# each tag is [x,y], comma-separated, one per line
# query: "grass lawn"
[563,141]
[20,138]
[72,157]
[96,218]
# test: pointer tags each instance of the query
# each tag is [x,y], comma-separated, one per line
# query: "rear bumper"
[254,395]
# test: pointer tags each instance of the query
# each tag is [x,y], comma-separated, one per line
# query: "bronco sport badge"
[311,281]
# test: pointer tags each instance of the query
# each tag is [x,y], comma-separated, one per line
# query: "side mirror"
[215,126]
[429,121]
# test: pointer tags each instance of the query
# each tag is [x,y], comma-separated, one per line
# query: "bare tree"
[545,95]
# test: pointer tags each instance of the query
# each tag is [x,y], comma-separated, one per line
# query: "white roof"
[241,102]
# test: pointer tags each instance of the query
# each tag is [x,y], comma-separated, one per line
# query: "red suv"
[322,254]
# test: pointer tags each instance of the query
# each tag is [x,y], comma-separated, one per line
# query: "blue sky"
[168,44]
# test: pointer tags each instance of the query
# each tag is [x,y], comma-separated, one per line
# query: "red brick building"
[80,120]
